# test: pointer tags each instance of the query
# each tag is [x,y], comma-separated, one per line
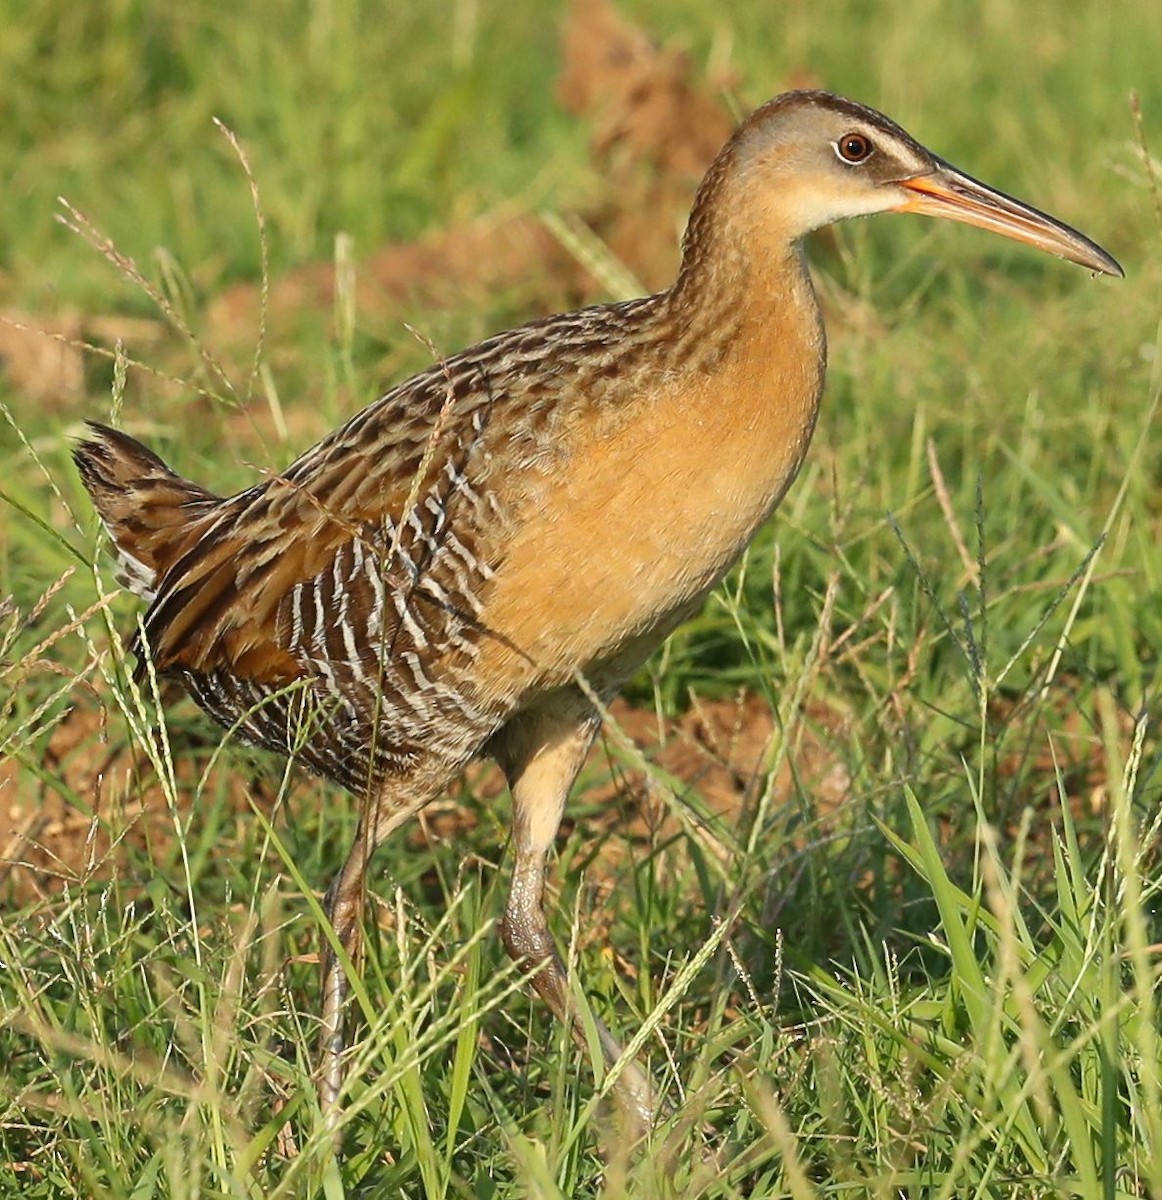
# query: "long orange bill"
[947,192]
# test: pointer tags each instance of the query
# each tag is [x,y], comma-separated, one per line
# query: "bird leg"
[541,755]
[344,909]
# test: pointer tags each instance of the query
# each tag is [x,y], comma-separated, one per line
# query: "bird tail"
[151,514]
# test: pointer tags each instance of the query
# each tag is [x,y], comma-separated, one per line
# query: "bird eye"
[853,148]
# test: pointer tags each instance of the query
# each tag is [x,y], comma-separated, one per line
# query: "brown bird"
[470,562]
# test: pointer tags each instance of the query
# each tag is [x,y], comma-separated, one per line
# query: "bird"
[475,563]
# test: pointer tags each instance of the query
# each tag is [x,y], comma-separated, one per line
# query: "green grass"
[944,985]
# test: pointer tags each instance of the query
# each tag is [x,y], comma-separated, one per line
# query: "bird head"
[808,159]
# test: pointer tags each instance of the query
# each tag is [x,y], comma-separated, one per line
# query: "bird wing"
[313,565]
[377,546]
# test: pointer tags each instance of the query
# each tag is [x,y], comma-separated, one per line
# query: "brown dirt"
[720,750]
[44,357]
[91,801]
[717,754]
[41,357]
[447,267]
[656,126]
[717,749]
[655,130]
[1076,754]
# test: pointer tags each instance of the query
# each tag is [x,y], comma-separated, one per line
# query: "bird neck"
[748,341]
[743,273]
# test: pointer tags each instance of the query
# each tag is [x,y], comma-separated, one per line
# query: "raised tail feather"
[152,514]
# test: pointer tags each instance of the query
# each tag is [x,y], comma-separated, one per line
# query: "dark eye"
[853,147]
